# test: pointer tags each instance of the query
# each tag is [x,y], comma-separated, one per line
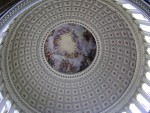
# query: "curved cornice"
[15,11]
[142,5]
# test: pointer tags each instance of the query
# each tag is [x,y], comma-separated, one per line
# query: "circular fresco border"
[94,62]
[70,48]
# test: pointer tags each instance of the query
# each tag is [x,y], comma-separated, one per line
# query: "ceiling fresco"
[70,48]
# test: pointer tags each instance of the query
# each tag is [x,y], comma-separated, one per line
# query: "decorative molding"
[15,11]
[142,6]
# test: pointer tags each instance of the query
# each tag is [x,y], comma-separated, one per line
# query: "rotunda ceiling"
[71,56]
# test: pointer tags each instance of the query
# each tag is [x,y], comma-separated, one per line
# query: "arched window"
[134,108]
[1,97]
[16,111]
[143,102]
[7,107]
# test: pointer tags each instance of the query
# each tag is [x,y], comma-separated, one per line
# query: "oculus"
[70,48]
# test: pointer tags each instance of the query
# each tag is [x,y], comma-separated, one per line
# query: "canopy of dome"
[72,56]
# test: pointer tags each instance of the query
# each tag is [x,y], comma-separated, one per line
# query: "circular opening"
[70,48]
